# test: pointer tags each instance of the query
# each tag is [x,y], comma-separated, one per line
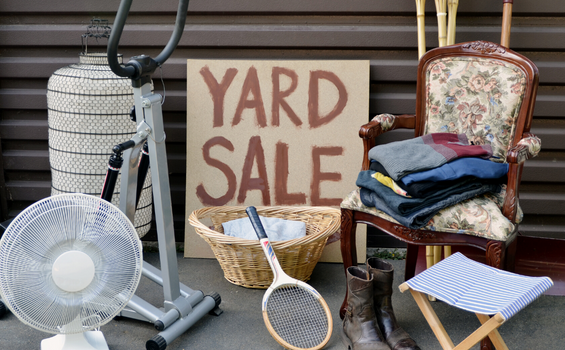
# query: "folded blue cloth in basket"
[277,229]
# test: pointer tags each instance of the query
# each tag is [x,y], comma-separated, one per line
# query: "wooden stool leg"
[489,326]
[487,330]
[434,322]
[494,336]
[348,248]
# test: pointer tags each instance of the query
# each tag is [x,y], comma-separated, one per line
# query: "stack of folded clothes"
[412,180]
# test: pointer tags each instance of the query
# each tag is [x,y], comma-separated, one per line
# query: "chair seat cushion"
[479,216]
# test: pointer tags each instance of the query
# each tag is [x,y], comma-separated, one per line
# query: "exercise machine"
[183,306]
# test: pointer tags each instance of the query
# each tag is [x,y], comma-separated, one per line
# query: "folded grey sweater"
[425,152]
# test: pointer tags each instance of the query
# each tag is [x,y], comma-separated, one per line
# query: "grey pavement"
[540,326]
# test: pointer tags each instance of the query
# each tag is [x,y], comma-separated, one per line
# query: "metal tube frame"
[182,305]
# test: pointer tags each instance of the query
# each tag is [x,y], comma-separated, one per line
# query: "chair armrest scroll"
[386,122]
[528,147]
[378,126]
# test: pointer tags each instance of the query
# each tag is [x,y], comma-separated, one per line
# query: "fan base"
[91,340]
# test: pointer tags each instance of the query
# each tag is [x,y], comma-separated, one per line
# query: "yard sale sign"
[273,133]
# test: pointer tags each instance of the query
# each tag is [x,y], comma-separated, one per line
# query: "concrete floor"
[540,326]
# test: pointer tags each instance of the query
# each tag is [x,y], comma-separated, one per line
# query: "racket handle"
[256,222]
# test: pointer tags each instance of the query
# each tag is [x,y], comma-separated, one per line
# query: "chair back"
[480,89]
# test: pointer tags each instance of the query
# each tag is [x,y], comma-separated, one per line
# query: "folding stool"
[475,287]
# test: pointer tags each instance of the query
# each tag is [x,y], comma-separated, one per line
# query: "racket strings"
[297,316]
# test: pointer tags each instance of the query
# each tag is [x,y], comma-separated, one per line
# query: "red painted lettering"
[278,96]
[201,193]
[251,85]
[254,151]
[218,91]
[314,117]
[282,197]
[318,176]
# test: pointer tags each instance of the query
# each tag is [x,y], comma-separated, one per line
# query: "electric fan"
[68,264]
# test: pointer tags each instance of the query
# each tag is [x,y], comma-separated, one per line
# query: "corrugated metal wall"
[37,39]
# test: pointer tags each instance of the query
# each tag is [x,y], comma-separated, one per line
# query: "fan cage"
[51,227]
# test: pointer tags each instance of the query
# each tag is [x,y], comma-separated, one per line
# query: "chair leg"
[348,242]
[486,344]
[348,248]
[495,253]
[511,255]
[411,260]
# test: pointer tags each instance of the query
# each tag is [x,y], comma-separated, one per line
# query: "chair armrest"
[378,126]
[528,147]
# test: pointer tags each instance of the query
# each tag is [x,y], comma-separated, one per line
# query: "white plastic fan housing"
[91,340]
[73,271]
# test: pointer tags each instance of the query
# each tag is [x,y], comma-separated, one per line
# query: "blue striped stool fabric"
[478,288]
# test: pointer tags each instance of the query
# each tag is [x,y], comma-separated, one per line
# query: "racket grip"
[256,222]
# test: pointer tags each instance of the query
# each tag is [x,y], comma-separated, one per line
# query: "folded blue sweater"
[462,167]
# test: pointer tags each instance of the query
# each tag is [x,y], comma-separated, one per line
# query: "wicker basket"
[243,260]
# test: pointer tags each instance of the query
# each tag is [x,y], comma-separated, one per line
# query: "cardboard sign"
[273,133]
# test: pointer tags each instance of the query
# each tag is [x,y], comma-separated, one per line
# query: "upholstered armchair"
[487,92]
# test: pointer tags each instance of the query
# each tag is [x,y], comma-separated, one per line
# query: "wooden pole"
[441,10]
[442,36]
[506,22]
[420,18]
[452,10]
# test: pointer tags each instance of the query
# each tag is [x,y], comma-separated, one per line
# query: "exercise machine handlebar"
[140,68]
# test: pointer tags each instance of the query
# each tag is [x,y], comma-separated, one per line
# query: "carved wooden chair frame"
[499,254]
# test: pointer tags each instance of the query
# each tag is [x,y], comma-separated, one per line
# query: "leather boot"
[382,274]
[360,330]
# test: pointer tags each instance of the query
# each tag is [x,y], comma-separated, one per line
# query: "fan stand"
[91,340]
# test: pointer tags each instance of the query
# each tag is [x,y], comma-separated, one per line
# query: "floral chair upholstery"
[487,92]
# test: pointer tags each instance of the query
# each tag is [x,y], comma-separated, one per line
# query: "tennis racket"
[295,314]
